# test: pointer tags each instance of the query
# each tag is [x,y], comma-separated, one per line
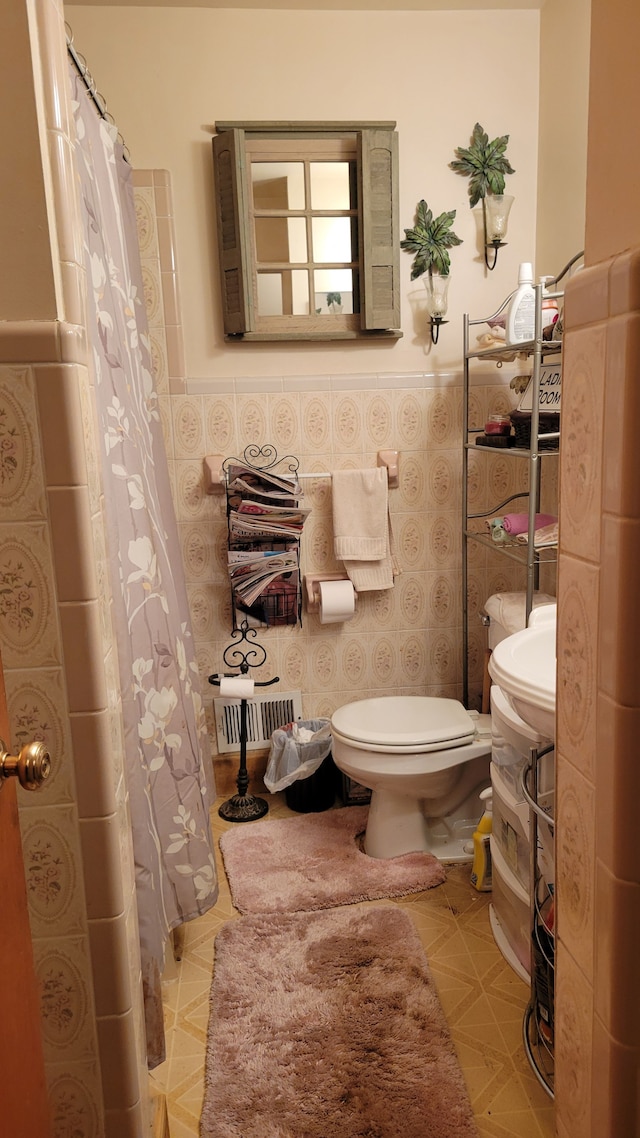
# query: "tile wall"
[598,788]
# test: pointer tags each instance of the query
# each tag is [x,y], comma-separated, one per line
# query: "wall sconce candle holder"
[437,287]
[495,217]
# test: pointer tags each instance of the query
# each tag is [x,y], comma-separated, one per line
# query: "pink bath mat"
[315,862]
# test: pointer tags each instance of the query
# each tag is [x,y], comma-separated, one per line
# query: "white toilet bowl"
[425,761]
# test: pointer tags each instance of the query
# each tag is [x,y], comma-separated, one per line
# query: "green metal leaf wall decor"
[430,239]
[484,163]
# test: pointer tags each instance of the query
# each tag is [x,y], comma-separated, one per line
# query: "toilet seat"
[404,724]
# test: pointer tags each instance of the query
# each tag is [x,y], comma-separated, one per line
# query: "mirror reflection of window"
[283,293]
[333,291]
[281,239]
[331,185]
[278,185]
[331,239]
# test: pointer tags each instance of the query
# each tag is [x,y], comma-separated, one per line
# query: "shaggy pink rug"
[314,862]
[328,1024]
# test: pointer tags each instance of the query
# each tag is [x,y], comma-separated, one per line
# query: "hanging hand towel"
[362,536]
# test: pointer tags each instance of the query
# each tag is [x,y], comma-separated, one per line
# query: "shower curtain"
[163,715]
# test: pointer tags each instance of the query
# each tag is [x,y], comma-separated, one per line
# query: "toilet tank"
[506,613]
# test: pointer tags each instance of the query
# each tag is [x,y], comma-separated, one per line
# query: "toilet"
[425,760]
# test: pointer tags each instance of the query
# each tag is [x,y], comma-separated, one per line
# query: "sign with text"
[550,388]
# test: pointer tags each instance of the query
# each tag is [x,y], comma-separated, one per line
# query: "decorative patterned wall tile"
[383,608]
[347,420]
[74,1091]
[353,661]
[412,491]
[197,552]
[36,702]
[379,421]
[477,483]
[443,541]
[443,600]
[323,664]
[294,667]
[284,421]
[443,479]
[442,419]
[22,495]
[443,654]
[202,605]
[63,974]
[252,421]
[582,426]
[27,624]
[220,430]
[316,422]
[384,659]
[573,1044]
[577,662]
[575,862]
[192,498]
[412,600]
[409,420]
[502,480]
[188,434]
[51,860]
[413,656]
[145,207]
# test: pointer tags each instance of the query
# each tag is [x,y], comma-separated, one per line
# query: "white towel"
[362,536]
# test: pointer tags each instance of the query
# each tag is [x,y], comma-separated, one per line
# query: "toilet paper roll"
[236,687]
[337,601]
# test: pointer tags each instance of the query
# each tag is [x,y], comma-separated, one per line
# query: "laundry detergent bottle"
[521,315]
[481,869]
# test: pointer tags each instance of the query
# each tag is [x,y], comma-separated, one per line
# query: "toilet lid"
[405,721]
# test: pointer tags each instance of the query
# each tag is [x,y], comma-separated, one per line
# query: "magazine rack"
[264,520]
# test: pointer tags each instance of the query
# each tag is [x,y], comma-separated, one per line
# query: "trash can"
[300,763]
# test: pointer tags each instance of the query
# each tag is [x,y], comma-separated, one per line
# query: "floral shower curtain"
[162,709]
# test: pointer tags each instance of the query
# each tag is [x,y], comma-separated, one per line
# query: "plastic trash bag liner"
[297,750]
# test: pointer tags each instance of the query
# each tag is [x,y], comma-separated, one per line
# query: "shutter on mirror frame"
[231,210]
[379,239]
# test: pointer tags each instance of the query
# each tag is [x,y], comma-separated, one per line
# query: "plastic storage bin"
[510,903]
[511,828]
[511,742]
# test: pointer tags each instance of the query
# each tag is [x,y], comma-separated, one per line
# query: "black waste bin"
[303,767]
[315,793]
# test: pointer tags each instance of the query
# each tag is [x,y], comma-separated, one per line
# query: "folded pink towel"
[519,523]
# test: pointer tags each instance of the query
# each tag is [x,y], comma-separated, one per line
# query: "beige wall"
[613,218]
[27,290]
[169,74]
[564,97]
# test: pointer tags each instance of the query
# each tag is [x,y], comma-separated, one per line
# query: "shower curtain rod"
[90,83]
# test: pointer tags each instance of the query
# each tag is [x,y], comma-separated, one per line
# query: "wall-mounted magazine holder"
[265,520]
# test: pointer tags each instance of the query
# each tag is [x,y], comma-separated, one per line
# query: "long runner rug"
[315,862]
[328,1024]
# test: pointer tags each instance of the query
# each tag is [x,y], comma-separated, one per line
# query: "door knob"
[32,766]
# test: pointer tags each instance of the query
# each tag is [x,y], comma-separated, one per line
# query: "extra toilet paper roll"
[236,687]
[337,601]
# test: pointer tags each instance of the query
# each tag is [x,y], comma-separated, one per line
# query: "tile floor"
[482,997]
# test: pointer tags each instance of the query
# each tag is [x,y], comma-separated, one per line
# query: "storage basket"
[548,421]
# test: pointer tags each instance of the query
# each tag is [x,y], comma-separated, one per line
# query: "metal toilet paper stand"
[243,807]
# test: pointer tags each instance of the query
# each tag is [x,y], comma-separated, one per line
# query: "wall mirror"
[307,230]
